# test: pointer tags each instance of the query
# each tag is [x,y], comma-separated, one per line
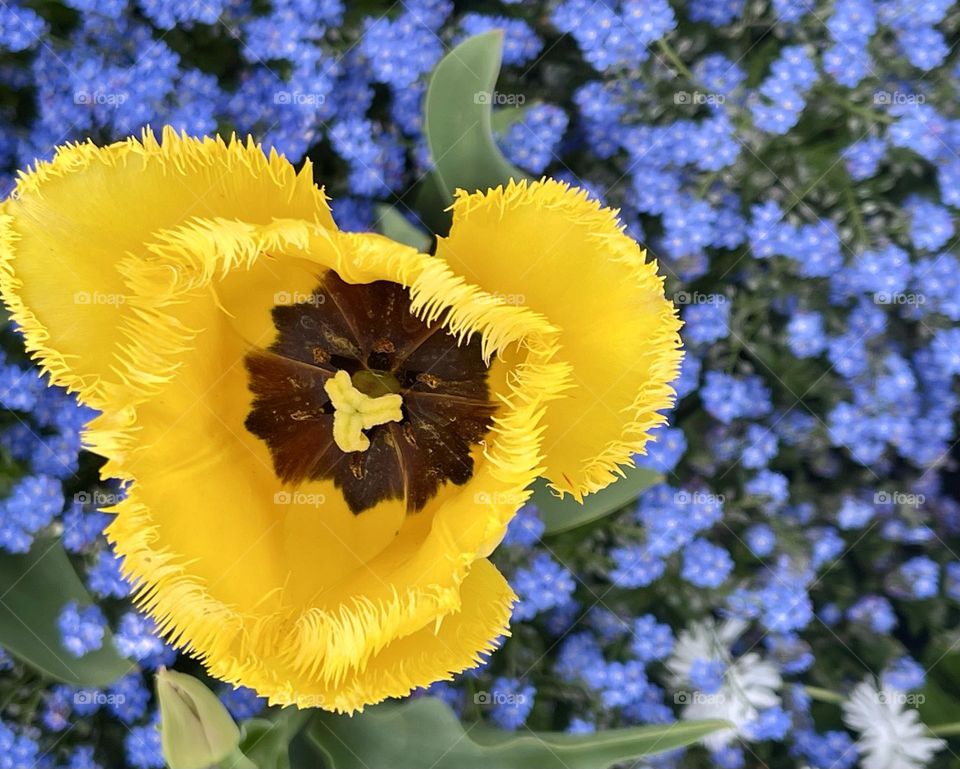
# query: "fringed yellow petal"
[436,652]
[71,221]
[287,590]
[551,248]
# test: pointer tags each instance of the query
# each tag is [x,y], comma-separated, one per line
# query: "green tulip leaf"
[34,587]
[564,514]
[425,732]
[265,742]
[458,126]
[397,227]
[502,119]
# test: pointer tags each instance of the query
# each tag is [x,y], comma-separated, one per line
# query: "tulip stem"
[823,695]
[858,109]
[667,50]
[945,730]
[856,216]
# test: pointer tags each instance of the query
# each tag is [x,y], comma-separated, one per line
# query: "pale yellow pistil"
[355,412]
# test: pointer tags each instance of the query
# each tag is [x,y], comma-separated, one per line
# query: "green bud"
[196,730]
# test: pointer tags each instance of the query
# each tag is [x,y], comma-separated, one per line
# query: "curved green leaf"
[457,118]
[502,119]
[425,732]
[564,514]
[431,204]
[394,225]
[266,742]
[33,590]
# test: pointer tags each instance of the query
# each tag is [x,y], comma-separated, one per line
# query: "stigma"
[354,412]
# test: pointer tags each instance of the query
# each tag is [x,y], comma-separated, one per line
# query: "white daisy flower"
[750,683]
[892,736]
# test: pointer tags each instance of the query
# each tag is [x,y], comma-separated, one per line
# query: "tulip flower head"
[325,434]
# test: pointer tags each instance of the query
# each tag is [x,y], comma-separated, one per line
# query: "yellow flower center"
[355,412]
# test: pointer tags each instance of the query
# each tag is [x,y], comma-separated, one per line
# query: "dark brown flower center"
[368,331]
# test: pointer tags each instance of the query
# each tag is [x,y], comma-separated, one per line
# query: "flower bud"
[196,731]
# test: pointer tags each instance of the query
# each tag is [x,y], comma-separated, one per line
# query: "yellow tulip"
[326,434]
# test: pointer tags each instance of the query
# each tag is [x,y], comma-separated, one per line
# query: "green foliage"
[459,129]
[425,732]
[34,587]
[266,742]
[394,225]
[564,514]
